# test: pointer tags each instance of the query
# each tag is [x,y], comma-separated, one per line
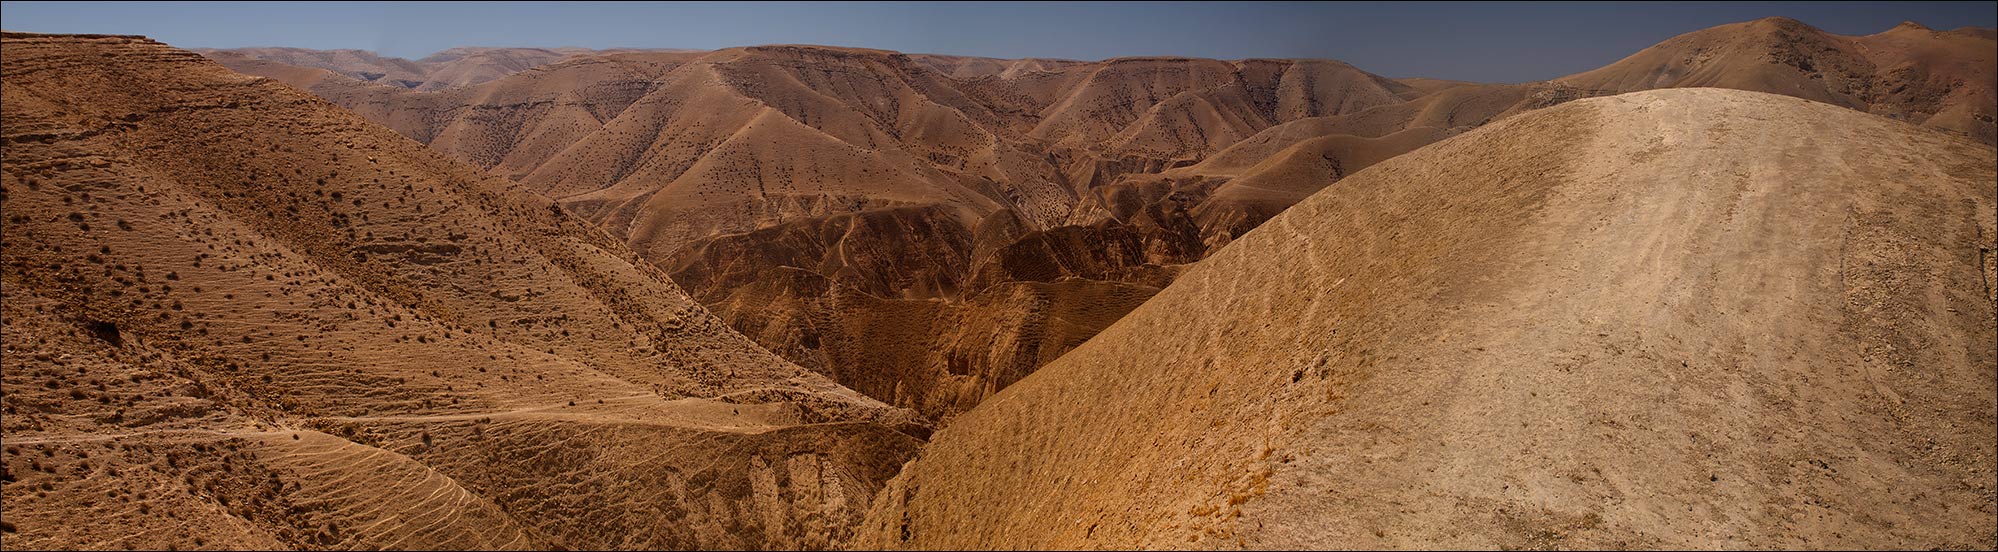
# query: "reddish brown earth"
[237,316]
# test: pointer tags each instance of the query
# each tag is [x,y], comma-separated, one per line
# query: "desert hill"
[1940,79]
[782,185]
[1692,318]
[360,65]
[1946,80]
[879,175]
[969,67]
[453,68]
[238,316]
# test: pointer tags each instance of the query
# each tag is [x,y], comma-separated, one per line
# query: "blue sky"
[1496,42]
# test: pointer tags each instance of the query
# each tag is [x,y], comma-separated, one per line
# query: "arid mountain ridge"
[241,316]
[238,316]
[452,68]
[1674,319]
[809,195]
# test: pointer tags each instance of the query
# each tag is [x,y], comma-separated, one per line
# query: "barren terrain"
[237,316]
[453,68]
[1673,319]
[808,194]
[1736,290]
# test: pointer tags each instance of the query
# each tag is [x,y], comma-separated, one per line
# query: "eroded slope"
[924,178]
[1674,319]
[1942,79]
[238,316]
[866,169]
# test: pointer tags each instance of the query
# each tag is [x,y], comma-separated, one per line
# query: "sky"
[1476,41]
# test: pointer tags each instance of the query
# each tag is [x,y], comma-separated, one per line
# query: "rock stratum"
[238,316]
[1693,318]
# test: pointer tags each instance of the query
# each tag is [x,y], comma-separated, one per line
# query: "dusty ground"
[1672,319]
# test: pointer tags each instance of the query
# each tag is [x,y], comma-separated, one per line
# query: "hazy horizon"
[1487,42]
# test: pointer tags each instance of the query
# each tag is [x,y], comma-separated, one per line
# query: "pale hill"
[237,316]
[458,67]
[1429,86]
[1940,79]
[969,67]
[1175,109]
[515,125]
[1673,319]
[453,68]
[360,65]
[1194,210]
